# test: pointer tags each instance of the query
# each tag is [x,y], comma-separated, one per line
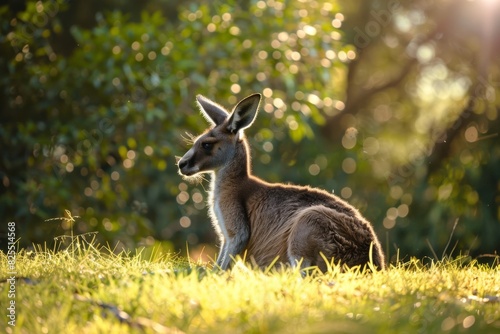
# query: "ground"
[89,289]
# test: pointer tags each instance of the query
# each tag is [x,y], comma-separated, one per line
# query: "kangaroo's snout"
[182,165]
[186,164]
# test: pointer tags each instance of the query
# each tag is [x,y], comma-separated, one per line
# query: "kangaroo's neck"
[236,171]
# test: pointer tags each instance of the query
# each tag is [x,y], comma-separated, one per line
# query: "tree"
[106,121]
[424,85]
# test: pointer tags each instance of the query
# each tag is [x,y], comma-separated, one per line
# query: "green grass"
[84,289]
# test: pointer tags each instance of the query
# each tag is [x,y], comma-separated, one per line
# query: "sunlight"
[489,11]
[489,2]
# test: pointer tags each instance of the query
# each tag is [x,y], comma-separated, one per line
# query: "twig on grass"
[124,317]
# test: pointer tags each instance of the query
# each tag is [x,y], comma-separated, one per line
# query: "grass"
[87,289]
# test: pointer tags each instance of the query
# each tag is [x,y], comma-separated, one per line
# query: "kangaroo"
[298,225]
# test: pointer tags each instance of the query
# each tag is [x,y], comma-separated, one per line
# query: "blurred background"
[391,105]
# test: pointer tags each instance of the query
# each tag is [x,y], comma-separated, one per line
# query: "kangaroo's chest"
[219,216]
[228,213]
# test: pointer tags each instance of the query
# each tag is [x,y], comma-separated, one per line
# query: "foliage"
[88,288]
[94,113]
[92,132]
[108,120]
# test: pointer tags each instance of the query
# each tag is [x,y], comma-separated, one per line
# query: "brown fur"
[266,221]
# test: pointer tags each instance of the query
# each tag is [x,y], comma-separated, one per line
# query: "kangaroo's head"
[217,146]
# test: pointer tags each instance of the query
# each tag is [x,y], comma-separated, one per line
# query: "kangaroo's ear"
[244,113]
[213,112]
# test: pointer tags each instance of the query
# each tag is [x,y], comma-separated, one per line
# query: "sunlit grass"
[88,289]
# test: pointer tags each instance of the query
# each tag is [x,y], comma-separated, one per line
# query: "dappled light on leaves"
[314,169]
[471,134]
[185,222]
[346,192]
[350,138]
[349,165]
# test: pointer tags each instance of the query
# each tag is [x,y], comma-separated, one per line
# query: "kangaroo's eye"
[207,146]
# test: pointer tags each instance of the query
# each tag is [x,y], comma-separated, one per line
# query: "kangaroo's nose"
[186,164]
[182,163]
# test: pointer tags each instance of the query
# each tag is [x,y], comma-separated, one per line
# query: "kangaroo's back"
[266,221]
[274,210]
